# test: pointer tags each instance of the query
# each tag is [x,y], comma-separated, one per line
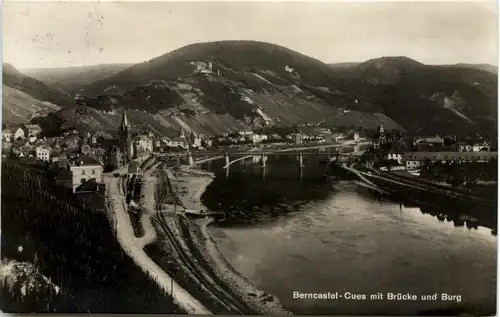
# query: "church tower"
[380,138]
[124,140]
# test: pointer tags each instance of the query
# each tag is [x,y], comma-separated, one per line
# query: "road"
[133,247]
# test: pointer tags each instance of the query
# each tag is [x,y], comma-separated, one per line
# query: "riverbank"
[190,184]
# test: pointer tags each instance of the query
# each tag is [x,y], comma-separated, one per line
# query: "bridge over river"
[334,155]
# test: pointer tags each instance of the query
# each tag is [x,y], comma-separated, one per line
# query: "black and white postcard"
[249,158]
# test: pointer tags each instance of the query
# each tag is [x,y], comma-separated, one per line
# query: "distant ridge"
[219,87]
[71,79]
[486,67]
[25,98]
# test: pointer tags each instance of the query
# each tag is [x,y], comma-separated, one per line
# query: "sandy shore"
[190,185]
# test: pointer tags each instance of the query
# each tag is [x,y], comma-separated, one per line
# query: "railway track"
[206,278]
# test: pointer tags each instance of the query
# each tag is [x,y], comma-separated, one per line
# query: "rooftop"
[450,155]
[64,174]
[90,186]
[84,160]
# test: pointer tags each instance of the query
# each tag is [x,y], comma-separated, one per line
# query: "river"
[289,232]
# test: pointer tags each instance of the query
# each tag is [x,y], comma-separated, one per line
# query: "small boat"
[414,173]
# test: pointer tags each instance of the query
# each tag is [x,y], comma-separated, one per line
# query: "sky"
[61,34]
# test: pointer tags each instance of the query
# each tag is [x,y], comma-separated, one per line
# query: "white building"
[396,152]
[258,138]
[144,144]
[208,142]
[397,156]
[43,154]
[197,142]
[85,168]
[245,132]
[481,147]
[465,148]
[19,134]
[356,137]
[414,160]
[339,137]
[7,135]
[202,67]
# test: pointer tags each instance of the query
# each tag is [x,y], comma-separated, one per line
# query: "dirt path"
[134,248]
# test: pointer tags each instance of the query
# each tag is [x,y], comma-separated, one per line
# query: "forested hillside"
[70,247]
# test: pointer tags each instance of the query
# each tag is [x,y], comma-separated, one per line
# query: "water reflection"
[250,192]
[323,235]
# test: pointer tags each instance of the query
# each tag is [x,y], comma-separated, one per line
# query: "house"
[85,168]
[85,149]
[464,147]
[72,141]
[43,153]
[356,137]
[245,132]
[298,138]
[338,137]
[258,138]
[196,142]
[178,142]
[414,160]
[144,144]
[65,178]
[31,129]
[396,152]
[7,135]
[477,147]
[19,134]
[92,196]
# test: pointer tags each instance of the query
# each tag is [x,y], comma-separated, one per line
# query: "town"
[80,157]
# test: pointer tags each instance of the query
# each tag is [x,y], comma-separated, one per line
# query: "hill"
[487,67]
[67,246]
[25,98]
[72,79]
[427,98]
[218,87]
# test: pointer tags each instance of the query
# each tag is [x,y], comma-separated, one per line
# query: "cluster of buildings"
[84,157]
[21,132]
[412,153]
[298,135]
[34,146]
